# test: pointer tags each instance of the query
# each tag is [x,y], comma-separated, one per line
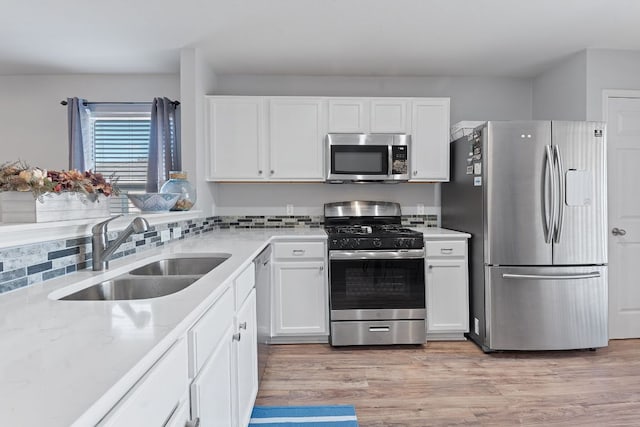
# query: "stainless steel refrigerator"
[533,196]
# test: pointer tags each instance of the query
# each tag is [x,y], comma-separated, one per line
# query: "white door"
[246,352]
[235,138]
[389,115]
[348,115]
[430,139]
[296,131]
[212,390]
[447,296]
[301,305]
[623,128]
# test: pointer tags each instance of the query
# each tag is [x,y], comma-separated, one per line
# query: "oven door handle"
[399,254]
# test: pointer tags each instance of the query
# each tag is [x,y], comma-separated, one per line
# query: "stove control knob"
[377,243]
[354,243]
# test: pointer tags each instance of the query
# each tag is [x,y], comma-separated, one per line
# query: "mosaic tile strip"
[420,220]
[261,221]
[29,264]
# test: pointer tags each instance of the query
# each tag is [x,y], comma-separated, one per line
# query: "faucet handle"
[100,227]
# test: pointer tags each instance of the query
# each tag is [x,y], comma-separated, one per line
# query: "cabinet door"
[236,138]
[246,357]
[300,299]
[348,115]
[389,115]
[447,295]
[430,139]
[212,389]
[296,131]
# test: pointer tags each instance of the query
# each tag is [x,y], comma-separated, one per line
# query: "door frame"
[607,95]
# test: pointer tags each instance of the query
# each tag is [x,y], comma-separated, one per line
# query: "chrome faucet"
[101,247]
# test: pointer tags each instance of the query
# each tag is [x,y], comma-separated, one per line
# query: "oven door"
[377,284]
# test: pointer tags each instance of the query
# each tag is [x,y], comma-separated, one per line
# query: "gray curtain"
[164,143]
[80,156]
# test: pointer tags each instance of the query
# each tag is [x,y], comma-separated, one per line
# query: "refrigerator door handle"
[548,200]
[591,275]
[560,194]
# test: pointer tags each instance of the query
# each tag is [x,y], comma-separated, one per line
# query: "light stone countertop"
[68,362]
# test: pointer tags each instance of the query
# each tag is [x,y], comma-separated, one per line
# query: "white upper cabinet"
[389,115]
[430,139]
[365,115]
[296,132]
[348,115]
[254,138]
[236,138]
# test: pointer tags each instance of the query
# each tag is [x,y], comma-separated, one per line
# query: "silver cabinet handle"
[193,423]
[272,171]
[591,275]
[260,172]
[618,231]
[415,173]
[446,250]
[243,325]
[379,328]
[236,337]
[299,251]
[322,268]
[265,263]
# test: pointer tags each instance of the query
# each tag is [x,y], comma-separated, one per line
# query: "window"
[119,133]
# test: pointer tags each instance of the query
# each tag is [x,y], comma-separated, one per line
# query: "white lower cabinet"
[447,294]
[300,302]
[225,385]
[246,359]
[212,389]
[153,399]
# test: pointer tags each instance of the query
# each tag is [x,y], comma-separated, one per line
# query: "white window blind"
[120,134]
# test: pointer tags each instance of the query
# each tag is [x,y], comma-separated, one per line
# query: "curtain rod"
[64,102]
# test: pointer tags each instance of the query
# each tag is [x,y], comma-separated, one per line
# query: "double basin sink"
[156,279]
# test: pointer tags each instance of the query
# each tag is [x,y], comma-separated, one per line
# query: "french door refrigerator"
[533,196]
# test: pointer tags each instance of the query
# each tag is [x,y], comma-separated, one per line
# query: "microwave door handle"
[389,160]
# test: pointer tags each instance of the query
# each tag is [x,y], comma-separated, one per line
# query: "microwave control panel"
[400,157]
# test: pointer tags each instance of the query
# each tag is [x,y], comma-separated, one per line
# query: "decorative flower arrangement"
[18,176]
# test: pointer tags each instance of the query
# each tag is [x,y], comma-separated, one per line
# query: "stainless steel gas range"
[376,275]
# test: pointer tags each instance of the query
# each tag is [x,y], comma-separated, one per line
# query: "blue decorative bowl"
[154,202]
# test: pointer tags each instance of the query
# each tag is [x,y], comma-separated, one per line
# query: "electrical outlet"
[289,209]
[165,235]
[177,232]
[420,207]
[476,326]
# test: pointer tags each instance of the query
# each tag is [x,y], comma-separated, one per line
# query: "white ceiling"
[310,37]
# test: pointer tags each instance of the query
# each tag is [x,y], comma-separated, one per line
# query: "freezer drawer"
[546,308]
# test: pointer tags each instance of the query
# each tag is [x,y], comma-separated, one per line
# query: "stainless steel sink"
[130,288]
[181,266]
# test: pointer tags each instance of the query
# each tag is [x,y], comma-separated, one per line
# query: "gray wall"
[560,91]
[33,124]
[609,69]
[472,98]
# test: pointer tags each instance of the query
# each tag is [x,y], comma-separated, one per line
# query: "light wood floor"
[455,383]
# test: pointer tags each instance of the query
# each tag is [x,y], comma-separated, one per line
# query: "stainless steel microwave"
[373,157]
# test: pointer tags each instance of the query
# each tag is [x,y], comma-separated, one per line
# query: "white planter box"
[17,207]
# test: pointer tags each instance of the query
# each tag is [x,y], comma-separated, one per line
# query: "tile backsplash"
[25,265]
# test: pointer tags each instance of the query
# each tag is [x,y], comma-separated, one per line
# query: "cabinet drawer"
[289,250]
[152,400]
[244,283]
[446,248]
[209,330]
